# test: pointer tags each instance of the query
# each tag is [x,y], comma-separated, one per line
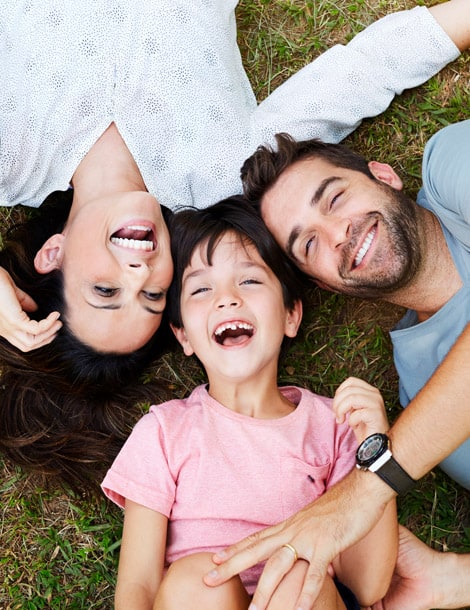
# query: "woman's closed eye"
[105,291]
[153,296]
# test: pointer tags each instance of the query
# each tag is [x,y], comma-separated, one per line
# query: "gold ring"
[291,548]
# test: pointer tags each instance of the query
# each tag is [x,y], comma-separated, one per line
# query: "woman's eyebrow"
[114,306]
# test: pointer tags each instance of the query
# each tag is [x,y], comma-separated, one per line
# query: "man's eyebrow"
[324,184]
[291,241]
[113,307]
[317,195]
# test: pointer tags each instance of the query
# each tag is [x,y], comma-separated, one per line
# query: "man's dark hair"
[260,171]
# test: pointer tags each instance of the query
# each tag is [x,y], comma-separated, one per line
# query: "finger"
[26,302]
[27,341]
[313,584]
[52,321]
[277,566]
[241,556]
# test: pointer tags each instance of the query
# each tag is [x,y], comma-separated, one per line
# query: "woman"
[141,107]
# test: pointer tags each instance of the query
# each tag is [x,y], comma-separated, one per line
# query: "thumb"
[26,302]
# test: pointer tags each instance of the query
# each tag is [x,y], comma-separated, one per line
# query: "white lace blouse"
[169,74]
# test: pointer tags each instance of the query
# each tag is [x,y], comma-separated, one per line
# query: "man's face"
[350,233]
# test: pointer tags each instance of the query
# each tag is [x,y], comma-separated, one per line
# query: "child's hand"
[365,407]
[15,325]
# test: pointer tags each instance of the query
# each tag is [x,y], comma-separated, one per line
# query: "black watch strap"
[394,475]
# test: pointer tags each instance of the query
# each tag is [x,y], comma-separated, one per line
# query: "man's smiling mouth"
[365,246]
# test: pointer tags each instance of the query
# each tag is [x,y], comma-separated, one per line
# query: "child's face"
[234,317]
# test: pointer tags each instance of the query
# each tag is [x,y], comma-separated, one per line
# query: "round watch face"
[371,448]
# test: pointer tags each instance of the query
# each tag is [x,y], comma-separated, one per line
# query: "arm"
[141,559]
[329,97]
[421,438]
[15,325]
[367,566]
[454,19]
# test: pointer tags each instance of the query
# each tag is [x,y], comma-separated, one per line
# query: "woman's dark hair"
[191,228]
[64,407]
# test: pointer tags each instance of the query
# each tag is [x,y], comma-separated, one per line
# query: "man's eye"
[335,199]
[154,296]
[104,291]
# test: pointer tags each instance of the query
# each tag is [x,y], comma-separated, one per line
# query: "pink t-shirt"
[219,475]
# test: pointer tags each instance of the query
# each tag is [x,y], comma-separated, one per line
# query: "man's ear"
[50,255]
[293,320]
[180,334]
[385,173]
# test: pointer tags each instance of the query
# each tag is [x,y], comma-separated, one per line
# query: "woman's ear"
[293,319]
[183,340]
[49,256]
[385,173]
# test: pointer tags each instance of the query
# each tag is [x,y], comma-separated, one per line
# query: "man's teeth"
[364,248]
[135,244]
[232,326]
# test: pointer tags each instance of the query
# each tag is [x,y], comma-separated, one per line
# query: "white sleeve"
[329,97]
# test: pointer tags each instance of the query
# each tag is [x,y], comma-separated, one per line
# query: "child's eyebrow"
[192,274]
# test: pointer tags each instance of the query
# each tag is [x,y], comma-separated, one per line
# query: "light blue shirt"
[420,347]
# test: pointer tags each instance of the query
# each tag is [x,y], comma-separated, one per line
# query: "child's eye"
[199,290]
[251,280]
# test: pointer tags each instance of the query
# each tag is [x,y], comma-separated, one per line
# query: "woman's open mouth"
[135,237]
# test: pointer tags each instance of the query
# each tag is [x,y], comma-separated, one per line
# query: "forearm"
[367,566]
[437,420]
[132,596]
[454,19]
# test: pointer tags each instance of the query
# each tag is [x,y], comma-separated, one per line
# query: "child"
[239,453]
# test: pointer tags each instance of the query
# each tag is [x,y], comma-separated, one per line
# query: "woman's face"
[115,257]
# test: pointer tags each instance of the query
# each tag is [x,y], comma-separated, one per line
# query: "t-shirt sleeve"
[446,178]
[329,97]
[345,448]
[140,471]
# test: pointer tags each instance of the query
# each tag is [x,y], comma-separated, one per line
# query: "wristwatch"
[374,454]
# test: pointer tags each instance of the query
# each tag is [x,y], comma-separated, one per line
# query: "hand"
[318,533]
[416,580]
[15,325]
[365,407]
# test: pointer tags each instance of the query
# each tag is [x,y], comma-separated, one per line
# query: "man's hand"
[318,533]
[15,325]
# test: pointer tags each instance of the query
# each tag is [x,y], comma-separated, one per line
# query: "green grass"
[58,550]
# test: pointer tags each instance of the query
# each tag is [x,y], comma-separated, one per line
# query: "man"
[347,224]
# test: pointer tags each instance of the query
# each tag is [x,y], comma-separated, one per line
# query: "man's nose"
[339,231]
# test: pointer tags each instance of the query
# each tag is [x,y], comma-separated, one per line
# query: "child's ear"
[180,334]
[293,319]
[50,255]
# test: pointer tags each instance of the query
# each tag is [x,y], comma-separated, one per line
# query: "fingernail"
[212,574]
[252,607]
[221,554]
